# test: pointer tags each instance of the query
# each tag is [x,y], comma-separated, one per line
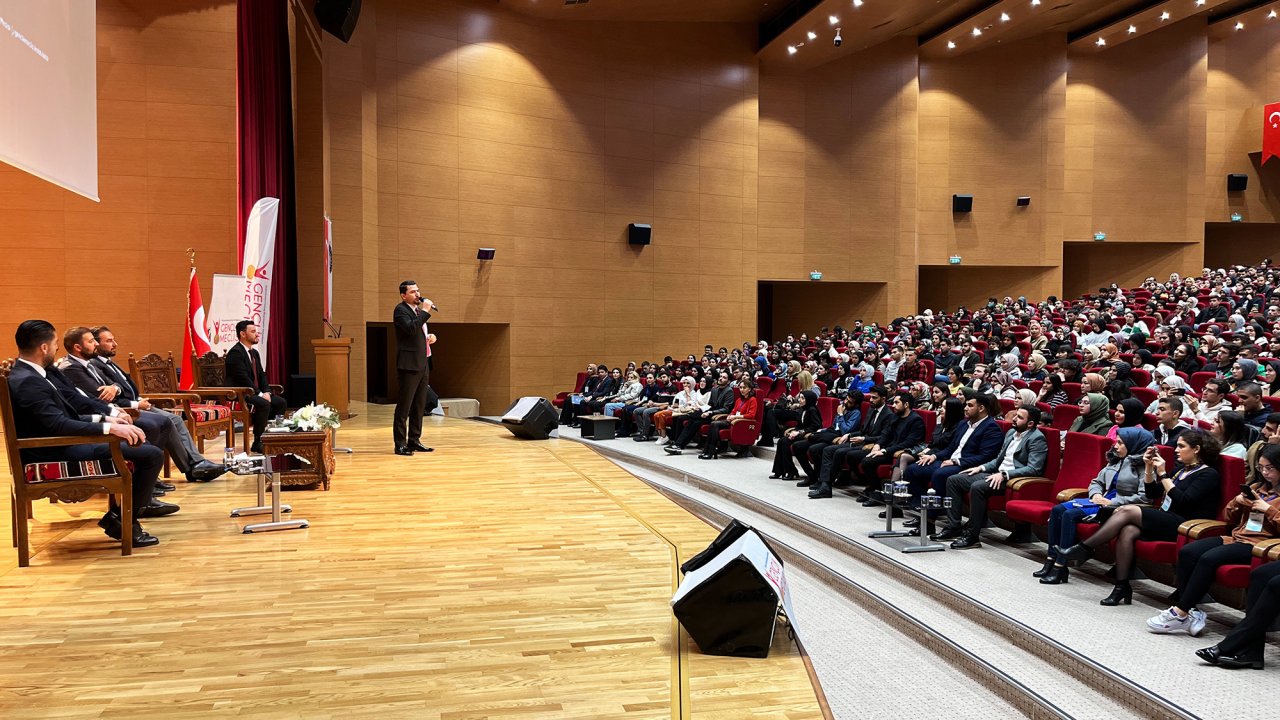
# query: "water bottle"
[228,453]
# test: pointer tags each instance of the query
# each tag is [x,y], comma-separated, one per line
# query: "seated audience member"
[955,381]
[1242,372]
[968,359]
[904,430]
[836,455]
[847,420]
[603,394]
[912,370]
[1002,386]
[944,358]
[1052,392]
[809,424]
[98,380]
[1268,435]
[1128,413]
[1223,358]
[658,397]
[1192,493]
[786,409]
[602,388]
[244,369]
[1169,419]
[629,393]
[567,410]
[1119,483]
[1255,411]
[39,410]
[1036,368]
[1093,382]
[842,382]
[1231,432]
[1121,372]
[1186,360]
[1212,400]
[1252,516]
[975,443]
[890,370]
[687,401]
[684,427]
[744,409]
[1093,419]
[1022,454]
[949,418]
[1269,376]
[1245,645]
[980,380]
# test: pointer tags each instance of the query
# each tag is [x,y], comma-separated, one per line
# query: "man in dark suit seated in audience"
[834,457]
[975,444]
[40,410]
[684,428]
[95,380]
[244,369]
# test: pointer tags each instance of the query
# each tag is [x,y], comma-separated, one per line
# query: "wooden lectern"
[333,373]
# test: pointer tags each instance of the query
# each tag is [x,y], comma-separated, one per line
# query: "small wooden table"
[599,427]
[315,447]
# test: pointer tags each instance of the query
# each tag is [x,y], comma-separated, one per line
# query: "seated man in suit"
[39,410]
[1023,454]
[834,456]
[973,445]
[95,380]
[244,369]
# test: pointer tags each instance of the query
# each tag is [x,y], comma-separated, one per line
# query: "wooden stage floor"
[493,578]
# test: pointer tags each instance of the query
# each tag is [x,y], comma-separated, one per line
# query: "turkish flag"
[1270,131]
[195,341]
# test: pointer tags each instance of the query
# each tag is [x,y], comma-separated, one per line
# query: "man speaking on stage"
[413,367]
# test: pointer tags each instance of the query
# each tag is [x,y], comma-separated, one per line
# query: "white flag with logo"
[247,296]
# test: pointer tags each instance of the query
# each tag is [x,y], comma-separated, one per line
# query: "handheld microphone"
[423,301]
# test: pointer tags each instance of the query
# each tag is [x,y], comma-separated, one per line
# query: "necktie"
[125,383]
[257,368]
[97,376]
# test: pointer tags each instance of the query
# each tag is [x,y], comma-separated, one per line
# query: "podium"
[333,373]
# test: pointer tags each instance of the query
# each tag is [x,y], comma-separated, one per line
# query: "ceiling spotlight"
[791,49]
[951,44]
[1164,15]
[1240,26]
[1004,17]
[1133,29]
[1271,15]
[1102,42]
[857,3]
[833,19]
[977,32]
[813,35]
[1034,3]
[1199,3]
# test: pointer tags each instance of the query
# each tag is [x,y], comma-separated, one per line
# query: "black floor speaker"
[728,601]
[531,418]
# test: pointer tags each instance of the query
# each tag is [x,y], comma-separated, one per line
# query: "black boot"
[1057,575]
[1075,555]
[1048,565]
[1121,593]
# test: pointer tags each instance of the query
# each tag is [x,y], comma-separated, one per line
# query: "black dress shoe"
[419,447]
[110,524]
[806,482]
[1057,575]
[158,493]
[157,508]
[911,522]
[672,450]
[256,447]
[161,485]
[205,472]
[966,542]
[897,512]
[1048,565]
[1209,654]
[1237,662]
[822,491]
[403,451]
[947,533]
[706,456]
[1074,555]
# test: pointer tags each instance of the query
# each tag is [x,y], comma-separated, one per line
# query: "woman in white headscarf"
[1009,364]
[1161,372]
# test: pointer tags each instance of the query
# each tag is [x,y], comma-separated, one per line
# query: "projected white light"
[1239,26]
[977,32]
[1102,42]
[951,44]
[791,49]
[1164,15]
[1133,29]
[1004,17]
[813,35]
[833,19]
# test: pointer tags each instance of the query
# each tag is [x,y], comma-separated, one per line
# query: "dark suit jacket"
[41,411]
[721,400]
[873,425]
[243,371]
[83,402]
[984,444]
[119,376]
[966,363]
[903,433]
[78,376]
[411,346]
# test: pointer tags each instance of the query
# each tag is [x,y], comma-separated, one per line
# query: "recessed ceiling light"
[977,32]
[833,19]
[1004,17]
[1199,3]
[791,49]
[1271,15]
[1102,42]
[1240,26]
[1035,3]
[1164,15]
[857,3]
[951,44]
[813,35]
[1133,29]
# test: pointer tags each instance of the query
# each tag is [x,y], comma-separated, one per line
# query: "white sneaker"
[1198,621]
[1169,622]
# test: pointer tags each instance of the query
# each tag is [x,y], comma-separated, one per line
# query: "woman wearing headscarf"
[1129,413]
[1162,371]
[784,466]
[1122,372]
[1002,386]
[1093,382]
[1143,360]
[1035,370]
[1119,483]
[1093,418]
[1026,398]
[1243,371]
[1009,364]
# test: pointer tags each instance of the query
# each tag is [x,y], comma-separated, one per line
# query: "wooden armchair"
[210,371]
[157,381]
[60,481]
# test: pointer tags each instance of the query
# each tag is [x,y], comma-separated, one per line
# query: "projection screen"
[48,91]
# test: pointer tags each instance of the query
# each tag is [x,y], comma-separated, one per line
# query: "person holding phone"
[1251,516]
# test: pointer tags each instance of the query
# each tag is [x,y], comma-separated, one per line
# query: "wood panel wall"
[166,160]
[1244,74]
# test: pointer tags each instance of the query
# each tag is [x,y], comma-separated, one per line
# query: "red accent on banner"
[1270,131]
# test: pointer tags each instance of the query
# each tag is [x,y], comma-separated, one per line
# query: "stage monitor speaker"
[728,600]
[338,17]
[531,418]
[638,234]
[1237,182]
[961,203]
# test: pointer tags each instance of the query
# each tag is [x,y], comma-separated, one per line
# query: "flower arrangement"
[312,418]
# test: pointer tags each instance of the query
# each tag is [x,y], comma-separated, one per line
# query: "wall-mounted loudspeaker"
[338,17]
[1024,201]
[961,203]
[638,234]
[1237,182]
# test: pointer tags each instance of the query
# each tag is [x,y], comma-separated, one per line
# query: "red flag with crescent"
[1271,131]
